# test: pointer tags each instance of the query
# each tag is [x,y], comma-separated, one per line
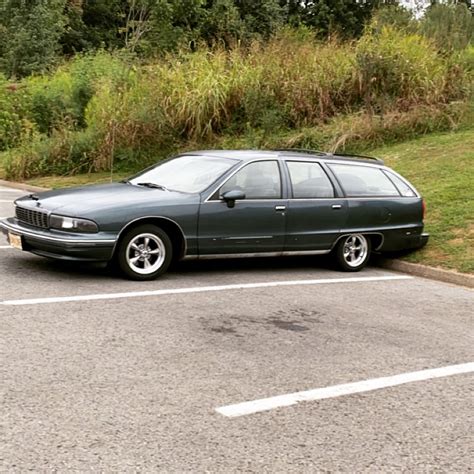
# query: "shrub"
[102,110]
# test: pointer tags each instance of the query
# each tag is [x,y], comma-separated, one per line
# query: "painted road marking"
[6,247]
[265,404]
[202,289]
[9,201]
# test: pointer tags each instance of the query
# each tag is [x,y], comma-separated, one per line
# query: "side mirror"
[231,196]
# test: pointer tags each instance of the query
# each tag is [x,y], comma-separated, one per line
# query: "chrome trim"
[280,208]
[151,217]
[247,237]
[29,233]
[336,206]
[256,254]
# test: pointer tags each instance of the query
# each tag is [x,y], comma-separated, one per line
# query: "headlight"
[72,224]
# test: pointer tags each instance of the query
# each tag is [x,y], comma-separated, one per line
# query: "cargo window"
[364,181]
[403,187]
[309,180]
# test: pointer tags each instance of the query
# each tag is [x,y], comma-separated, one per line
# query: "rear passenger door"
[316,213]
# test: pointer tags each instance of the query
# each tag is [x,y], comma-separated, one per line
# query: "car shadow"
[102,271]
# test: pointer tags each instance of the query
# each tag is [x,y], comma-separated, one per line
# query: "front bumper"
[61,245]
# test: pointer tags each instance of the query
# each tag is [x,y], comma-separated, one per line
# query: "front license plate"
[15,241]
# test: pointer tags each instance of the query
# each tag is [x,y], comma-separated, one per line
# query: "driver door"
[250,225]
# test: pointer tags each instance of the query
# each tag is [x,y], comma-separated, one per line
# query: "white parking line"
[9,201]
[265,404]
[5,247]
[199,289]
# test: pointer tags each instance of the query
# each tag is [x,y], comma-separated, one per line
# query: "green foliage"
[14,126]
[31,32]
[450,25]
[394,16]
[341,18]
[400,68]
[61,153]
[103,110]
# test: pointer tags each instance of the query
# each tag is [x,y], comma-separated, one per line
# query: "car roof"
[248,155]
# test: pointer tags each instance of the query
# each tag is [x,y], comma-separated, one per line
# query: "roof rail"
[332,155]
[303,150]
[352,155]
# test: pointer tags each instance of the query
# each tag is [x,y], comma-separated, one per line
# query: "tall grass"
[104,110]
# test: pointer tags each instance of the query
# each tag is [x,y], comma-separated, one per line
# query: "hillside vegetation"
[102,109]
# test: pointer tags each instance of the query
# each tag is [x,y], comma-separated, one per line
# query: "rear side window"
[364,181]
[309,180]
[402,187]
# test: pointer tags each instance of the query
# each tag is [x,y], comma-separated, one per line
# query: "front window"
[187,174]
[257,180]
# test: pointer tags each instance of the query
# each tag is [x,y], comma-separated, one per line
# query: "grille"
[32,217]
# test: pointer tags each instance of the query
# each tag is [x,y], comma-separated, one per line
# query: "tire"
[144,253]
[353,252]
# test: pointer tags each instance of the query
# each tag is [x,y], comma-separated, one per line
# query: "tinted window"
[309,180]
[258,180]
[364,181]
[403,187]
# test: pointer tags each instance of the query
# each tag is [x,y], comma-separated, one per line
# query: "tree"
[450,25]
[328,17]
[396,16]
[31,35]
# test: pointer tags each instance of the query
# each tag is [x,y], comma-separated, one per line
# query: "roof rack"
[352,155]
[332,155]
[303,150]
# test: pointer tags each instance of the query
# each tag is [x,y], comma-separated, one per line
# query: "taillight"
[423,207]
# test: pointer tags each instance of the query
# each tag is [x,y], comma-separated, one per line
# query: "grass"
[440,166]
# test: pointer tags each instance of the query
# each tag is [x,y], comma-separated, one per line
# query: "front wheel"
[144,253]
[353,252]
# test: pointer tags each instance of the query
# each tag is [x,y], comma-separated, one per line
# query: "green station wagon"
[209,204]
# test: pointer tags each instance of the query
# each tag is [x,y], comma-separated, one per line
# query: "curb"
[446,276]
[22,186]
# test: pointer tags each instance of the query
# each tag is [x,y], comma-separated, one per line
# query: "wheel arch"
[172,228]
[376,239]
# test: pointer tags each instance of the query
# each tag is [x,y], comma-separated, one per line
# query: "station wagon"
[223,203]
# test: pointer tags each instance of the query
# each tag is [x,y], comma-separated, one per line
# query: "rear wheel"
[144,253]
[353,252]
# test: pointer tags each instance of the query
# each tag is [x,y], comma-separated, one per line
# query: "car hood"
[87,200]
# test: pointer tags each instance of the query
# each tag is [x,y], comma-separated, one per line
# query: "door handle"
[336,206]
[280,208]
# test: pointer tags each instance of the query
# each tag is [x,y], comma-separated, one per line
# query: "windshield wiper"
[153,185]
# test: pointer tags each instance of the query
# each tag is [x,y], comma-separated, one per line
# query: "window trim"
[243,165]
[290,183]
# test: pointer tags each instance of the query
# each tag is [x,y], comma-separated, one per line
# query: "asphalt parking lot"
[104,374]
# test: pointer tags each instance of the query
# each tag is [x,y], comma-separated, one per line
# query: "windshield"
[187,174]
